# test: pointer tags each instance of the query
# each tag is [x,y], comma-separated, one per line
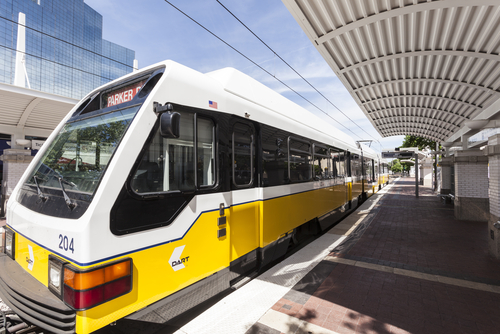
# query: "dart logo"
[31,259]
[175,261]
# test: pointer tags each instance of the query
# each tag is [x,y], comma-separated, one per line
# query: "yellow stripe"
[249,226]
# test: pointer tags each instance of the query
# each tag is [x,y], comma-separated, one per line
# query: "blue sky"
[156,31]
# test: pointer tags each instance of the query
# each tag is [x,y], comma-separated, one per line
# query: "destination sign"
[122,94]
[389,155]
[397,155]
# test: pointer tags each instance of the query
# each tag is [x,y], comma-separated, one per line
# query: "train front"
[47,274]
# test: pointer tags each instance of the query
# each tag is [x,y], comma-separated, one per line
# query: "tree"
[420,142]
[396,166]
[406,166]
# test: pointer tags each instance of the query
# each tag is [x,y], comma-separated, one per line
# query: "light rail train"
[165,187]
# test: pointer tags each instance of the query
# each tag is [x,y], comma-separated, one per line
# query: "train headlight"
[84,289]
[10,241]
[56,268]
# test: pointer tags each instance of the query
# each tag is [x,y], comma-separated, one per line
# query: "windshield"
[80,153]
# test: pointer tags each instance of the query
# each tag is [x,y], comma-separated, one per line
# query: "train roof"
[237,92]
[245,87]
[370,152]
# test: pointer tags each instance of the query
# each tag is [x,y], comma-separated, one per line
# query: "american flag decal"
[212,104]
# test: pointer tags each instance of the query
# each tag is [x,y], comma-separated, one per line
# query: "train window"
[368,169]
[356,165]
[274,157]
[82,150]
[347,160]
[342,164]
[299,160]
[206,152]
[243,155]
[335,164]
[338,164]
[322,164]
[178,164]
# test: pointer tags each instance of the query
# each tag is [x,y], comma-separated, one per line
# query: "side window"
[338,164]
[178,156]
[342,164]
[355,165]
[322,163]
[243,151]
[178,164]
[335,164]
[299,160]
[348,164]
[369,169]
[205,164]
[274,157]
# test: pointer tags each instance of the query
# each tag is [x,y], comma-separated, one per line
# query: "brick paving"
[423,232]
[417,234]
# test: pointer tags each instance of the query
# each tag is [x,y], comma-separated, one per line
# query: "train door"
[363,177]
[244,223]
[339,174]
[348,174]
[345,174]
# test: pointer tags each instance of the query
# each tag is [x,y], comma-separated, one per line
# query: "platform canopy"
[30,112]
[414,67]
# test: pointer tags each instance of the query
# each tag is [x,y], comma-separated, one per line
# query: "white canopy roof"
[31,112]
[414,67]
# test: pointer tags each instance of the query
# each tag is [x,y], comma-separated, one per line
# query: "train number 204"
[65,244]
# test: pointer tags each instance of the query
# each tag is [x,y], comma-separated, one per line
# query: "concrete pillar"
[493,152]
[426,172]
[15,163]
[465,142]
[412,171]
[446,163]
[471,185]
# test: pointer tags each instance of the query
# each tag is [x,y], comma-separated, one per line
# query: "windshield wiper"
[68,201]
[40,194]
[69,183]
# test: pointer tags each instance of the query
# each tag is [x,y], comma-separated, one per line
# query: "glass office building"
[64,53]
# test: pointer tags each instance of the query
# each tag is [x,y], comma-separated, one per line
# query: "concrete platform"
[399,264]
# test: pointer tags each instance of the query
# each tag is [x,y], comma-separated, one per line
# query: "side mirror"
[170,125]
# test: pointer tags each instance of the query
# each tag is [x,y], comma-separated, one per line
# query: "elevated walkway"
[399,264]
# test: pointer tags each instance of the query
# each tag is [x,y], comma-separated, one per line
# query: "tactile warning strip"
[240,310]
[417,274]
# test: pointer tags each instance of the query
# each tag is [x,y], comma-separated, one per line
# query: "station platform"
[398,264]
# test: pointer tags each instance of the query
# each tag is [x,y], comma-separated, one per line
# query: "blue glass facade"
[65,52]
